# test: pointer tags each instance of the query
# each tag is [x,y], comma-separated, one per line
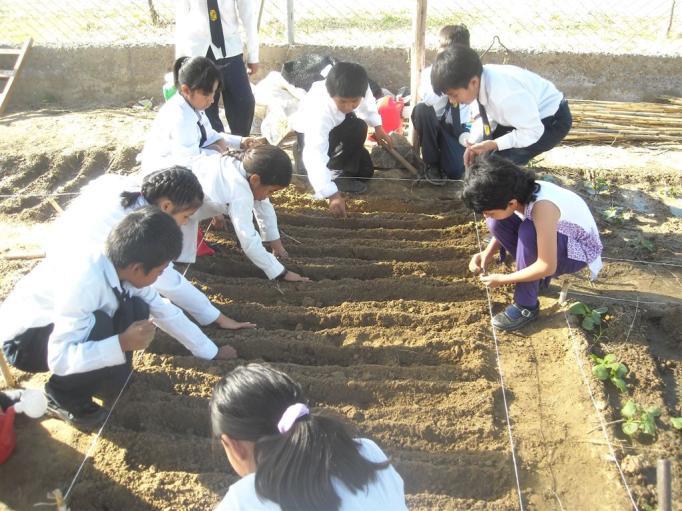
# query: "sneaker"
[514,317]
[86,417]
[350,185]
[435,176]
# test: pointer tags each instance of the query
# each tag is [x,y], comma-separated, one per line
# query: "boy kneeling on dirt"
[83,322]
[331,127]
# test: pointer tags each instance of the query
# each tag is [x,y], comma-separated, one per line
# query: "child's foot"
[515,317]
[86,417]
[435,176]
[351,185]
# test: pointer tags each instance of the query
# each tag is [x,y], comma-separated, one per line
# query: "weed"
[608,368]
[640,244]
[639,420]
[615,214]
[591,317]
[676,422]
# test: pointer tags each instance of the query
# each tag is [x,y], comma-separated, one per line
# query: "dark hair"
[454,68]
[453,34]
[148,236]
[269,162]
[491,181]
[178,184]
[195,72]
[347,80]
[294,469]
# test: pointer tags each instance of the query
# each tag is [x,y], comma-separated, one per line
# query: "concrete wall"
[108,76]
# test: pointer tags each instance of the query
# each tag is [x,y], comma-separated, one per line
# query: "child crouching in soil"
[548,228]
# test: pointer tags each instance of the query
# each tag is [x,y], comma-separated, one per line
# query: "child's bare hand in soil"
[278,249]
[291,276]
[479,262]
[337,205]
[225,353]
[230,324]
[493,280]
[137,336]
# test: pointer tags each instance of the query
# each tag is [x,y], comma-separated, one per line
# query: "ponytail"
[198,73]
[269,162]
[177,184]
[294,468]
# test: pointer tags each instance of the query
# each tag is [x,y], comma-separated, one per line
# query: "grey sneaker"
[435,176]
[350,185]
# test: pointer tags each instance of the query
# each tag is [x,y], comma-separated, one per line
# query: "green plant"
[640,243]
[591,317]
[676,422]
[615,214]
[596,186]
[639,420]
[608,368]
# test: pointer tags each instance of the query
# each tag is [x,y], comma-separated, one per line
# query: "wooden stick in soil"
[22,255]
[400,158]
[664,485]
[417,58]
[6,373]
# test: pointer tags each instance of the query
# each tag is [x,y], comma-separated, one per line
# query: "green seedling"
[592,318]
[640,244]
[671,191]
[608,368]
[596,186]
[639,420]
[676,422]
[614,214]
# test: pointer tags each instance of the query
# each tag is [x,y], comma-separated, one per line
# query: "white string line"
[499,370]
[602,424]
[639,261]
[605,297]
[56,194]
[95,440]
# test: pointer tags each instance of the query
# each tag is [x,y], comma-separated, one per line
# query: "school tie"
[217,36]
[351,115]
[487,132]
[203,133]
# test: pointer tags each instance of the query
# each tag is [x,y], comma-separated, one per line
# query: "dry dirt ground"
[393,333]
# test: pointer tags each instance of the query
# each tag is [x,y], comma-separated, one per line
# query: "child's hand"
[218,222]
[474,150]
[230,324]
[479,262]
[225,353]
[337,205]
[291,276]
[252,68]
[251,142]
[382,137]
[493,280]
[137,336]
[278,249]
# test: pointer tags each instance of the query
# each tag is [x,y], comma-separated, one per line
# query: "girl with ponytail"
[104,202]
[292,458]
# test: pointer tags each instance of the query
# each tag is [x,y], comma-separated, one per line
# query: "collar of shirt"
[110,274]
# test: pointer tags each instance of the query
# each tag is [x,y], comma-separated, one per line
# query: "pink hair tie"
[290,416]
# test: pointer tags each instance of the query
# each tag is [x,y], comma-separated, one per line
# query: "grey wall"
[92,76]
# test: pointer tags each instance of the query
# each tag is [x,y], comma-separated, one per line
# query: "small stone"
[632,464]
[601,405]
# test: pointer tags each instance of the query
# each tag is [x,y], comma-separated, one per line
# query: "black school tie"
[487,132]
[217,36]
[203,133]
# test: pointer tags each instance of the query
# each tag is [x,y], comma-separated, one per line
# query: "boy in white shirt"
[210,28]
[83,322]
[439,123]
[532,116]
[331,126]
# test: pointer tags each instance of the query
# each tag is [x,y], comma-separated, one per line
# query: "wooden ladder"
[10,75]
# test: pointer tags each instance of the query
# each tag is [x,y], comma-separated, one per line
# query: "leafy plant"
[596,186]
[591,317]
[640,243]
[676,422]
[608,368]
[639,420]
[615,214]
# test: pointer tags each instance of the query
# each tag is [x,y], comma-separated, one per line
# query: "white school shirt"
[385,493]
[68,295]
[226,189]
[175,135]
[517,98]
[575,222]
[317,115]
[88,220]
[428,96]
[193,33]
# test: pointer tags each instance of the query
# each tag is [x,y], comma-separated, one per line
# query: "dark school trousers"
[556,128]
[439,141]
[238,99]
[519,237]
[346,152]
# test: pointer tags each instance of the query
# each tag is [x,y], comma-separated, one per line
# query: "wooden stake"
[664,486]
[55,205]
[417,58]
[23,255]
[563,295]
[6,373]
[400,158]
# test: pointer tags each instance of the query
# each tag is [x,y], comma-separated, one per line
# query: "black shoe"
[435,176]
[86,417]
[350,185]
[514,317]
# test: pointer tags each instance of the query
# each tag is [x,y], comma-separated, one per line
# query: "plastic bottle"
[33,403]
[169,89]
